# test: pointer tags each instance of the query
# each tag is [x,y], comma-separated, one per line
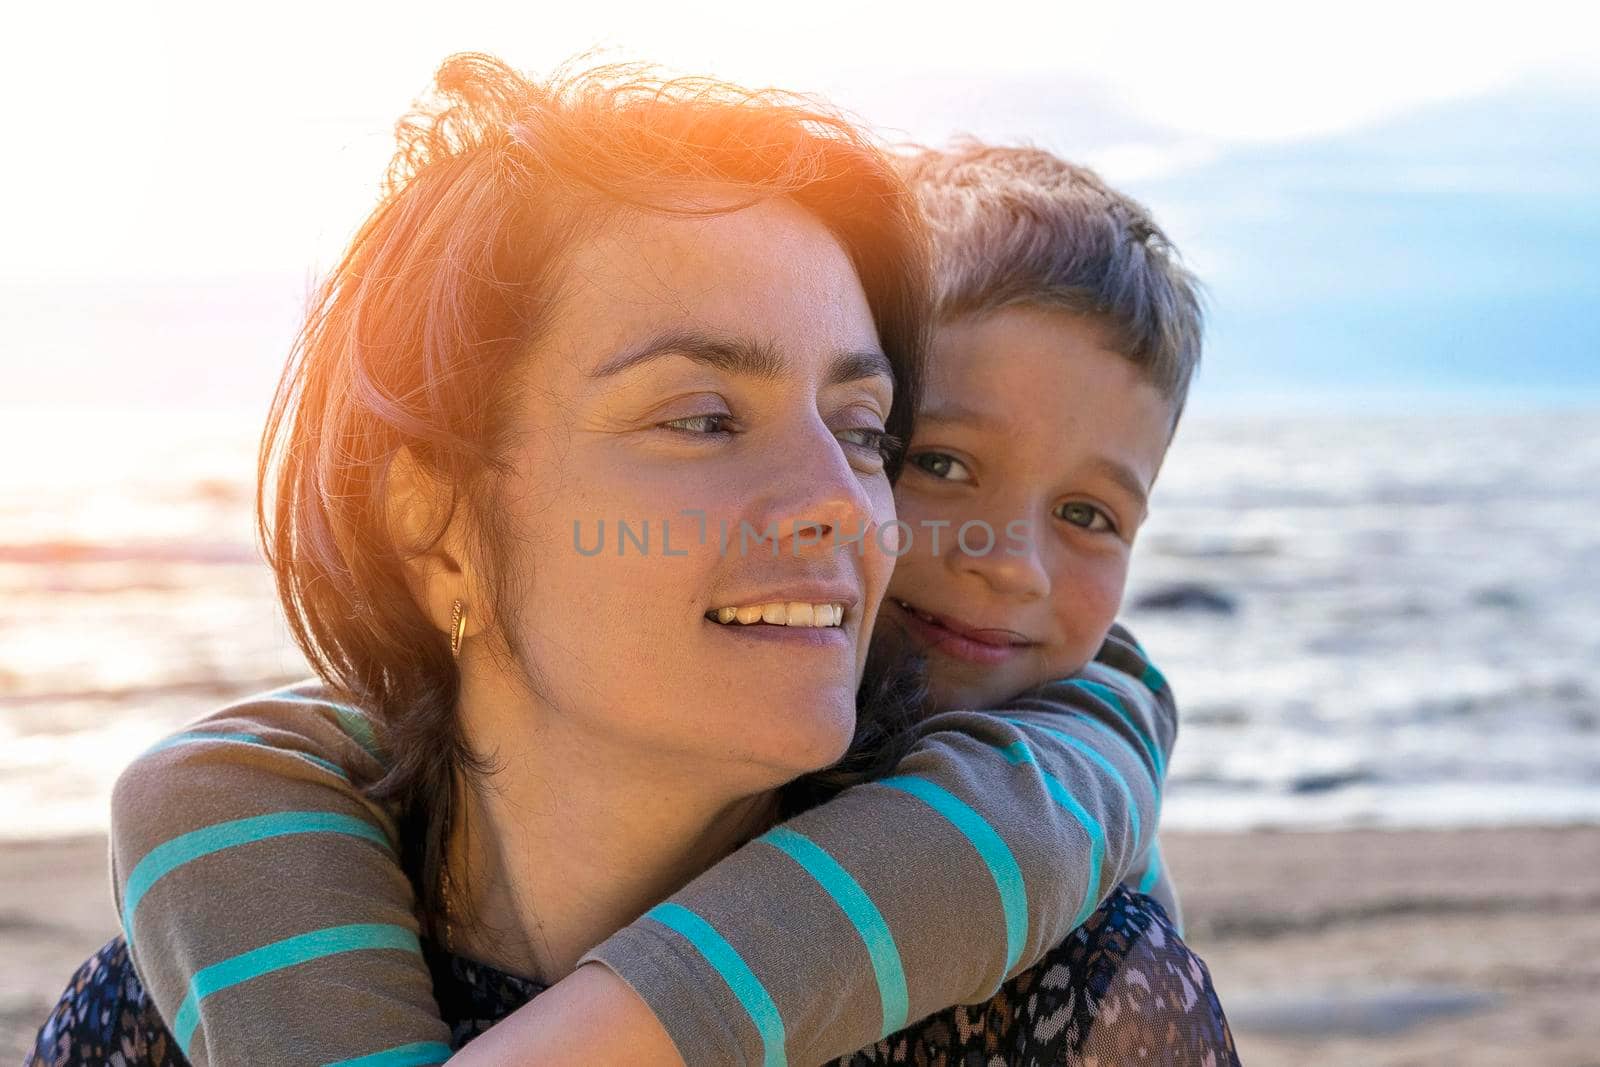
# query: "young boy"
[1067,337]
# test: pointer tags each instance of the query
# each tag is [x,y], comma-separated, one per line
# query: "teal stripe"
[352,721]
[1152,875]
[413,1055]
[991,848]
[1155,785]
[1095,756]
[289,952]
[1019,752]
[169,855]
[1016,752]
[331,768]
[202,735]
[1111,697]
[1153,679]
[727,962]
[356,725]
[245,739]
[862,912]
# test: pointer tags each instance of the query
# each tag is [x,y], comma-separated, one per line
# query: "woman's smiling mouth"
[790,622]
[780,613]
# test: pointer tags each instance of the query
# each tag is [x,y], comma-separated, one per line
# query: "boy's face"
[1028,421]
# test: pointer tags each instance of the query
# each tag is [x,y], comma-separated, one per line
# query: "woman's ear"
[427,526]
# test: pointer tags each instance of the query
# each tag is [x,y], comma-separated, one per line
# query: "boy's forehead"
[972,358]
[1046,383]
[957,340]
[952,409]
[967,353]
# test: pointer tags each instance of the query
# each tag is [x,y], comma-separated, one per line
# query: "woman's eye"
[693,424]
[1084,516]
[880,443]
[942,465]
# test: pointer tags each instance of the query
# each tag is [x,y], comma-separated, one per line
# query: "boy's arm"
[1150,876]
[998,834]
[253,877]
[261,895]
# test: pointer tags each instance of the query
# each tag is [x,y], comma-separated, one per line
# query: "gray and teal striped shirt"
[267,914]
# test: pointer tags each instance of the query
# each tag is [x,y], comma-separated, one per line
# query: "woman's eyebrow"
[743,357]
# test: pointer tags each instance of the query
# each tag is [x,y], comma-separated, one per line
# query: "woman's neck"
[571,837]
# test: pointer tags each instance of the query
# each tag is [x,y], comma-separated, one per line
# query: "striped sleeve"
[996,836]
[261,895]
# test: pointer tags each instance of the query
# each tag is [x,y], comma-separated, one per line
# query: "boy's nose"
[1011,566]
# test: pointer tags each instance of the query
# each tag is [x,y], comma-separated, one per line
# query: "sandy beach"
[1464,947]
[1383,948]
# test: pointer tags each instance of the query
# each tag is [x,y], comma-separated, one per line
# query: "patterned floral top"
[1121,989]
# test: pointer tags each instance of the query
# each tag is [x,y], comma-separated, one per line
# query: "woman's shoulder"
[1121,988]
[1147,996]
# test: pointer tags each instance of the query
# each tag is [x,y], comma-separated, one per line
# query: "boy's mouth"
[986,646]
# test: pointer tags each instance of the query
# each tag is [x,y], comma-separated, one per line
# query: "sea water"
[1367,619]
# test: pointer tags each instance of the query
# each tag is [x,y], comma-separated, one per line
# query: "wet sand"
[1461,947]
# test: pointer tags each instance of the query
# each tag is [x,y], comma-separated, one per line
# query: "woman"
[621,298]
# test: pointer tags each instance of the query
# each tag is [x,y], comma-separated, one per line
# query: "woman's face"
[701,375]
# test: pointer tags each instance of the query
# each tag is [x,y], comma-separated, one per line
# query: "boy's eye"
[942,465]
[1084,515]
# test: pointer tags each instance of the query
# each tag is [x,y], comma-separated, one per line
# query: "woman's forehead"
[765,277]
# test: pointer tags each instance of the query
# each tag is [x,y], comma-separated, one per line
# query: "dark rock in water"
[1187,596]
[1322,783]
[1218,715]
[1497,596]
[1413,608]
[1215,547]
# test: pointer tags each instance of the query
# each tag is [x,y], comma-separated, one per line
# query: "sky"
[1386,201]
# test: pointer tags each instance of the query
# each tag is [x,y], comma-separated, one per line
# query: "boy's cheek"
[1086,605]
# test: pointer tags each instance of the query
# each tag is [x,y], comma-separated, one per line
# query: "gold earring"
[458,628]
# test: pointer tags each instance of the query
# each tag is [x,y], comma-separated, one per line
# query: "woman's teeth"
[781,613]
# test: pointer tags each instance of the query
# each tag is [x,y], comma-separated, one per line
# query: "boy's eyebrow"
[743,357]
[955,411]
[1123,476]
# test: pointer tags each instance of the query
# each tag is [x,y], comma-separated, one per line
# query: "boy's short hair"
[1015,225]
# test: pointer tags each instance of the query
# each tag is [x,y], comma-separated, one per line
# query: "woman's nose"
[814,496]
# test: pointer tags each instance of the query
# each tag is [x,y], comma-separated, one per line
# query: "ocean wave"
[55,553]
[121,698]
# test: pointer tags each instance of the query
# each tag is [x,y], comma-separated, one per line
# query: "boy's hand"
[589,1017]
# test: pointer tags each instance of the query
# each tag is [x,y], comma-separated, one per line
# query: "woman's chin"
[813,735]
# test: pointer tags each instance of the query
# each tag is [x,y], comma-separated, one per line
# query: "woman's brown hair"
[416,338]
